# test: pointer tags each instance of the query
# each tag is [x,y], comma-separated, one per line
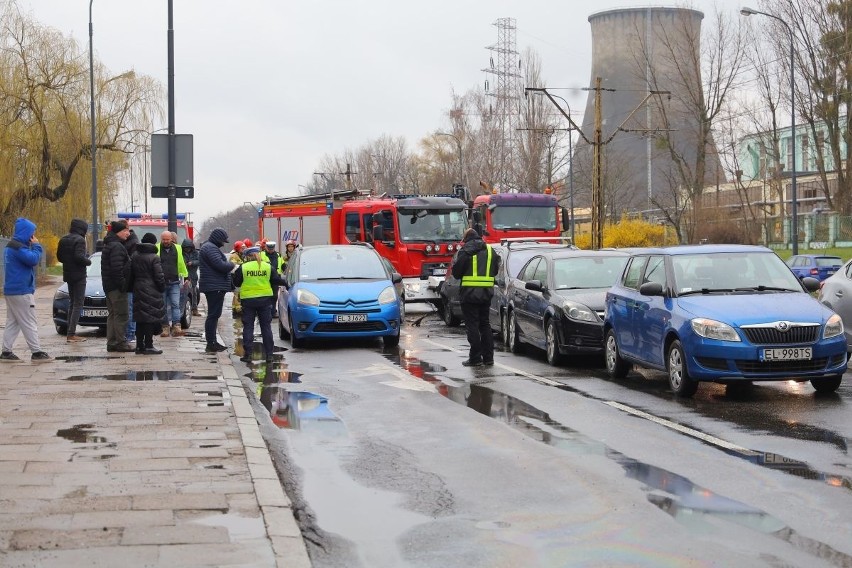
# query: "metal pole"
[172,159]
[93,140]
[571,181]
[794,205]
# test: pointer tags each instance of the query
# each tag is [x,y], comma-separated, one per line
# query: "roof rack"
[509,241]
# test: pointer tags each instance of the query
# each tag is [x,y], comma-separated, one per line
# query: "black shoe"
[124,348]
[139,350]
[9,356]
[152,351]
[488,363]
[472,363]
[245,359]
[41,356]
[215,348]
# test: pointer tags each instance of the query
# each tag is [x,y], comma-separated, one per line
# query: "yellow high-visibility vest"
[255,280]
[476,279]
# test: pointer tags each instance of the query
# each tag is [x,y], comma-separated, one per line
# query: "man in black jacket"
[475,266]
[71,252]
[214,282]
[115,271]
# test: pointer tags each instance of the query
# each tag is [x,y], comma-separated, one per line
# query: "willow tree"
[45,141]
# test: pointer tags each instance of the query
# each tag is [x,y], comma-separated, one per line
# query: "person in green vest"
[274,258]
[255,278]
[475,266]
[174,271]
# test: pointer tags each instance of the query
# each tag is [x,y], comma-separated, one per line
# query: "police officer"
[255,278]
[274,258]
[476,266]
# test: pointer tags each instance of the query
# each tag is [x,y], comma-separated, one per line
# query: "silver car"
[836,293]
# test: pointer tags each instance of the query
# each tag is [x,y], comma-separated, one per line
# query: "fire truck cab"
[514,215]
[418,234]
[142,223]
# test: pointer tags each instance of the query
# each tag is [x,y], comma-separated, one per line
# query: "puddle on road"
[212,398]
[81,358]
[144,376]
[423,370]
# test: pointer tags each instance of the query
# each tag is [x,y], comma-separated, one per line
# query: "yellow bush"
[48,242]
[583,241]
[634,233]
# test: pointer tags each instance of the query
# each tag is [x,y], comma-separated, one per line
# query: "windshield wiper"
[763,288]
[705,291]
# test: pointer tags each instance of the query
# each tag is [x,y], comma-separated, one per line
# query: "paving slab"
[111,459]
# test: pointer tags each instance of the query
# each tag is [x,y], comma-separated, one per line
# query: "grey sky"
[268,87]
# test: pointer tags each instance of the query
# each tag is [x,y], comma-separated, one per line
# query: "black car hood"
[594,298]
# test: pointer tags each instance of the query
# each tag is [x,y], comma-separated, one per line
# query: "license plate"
[439,271]
[95,313]
[349,318]
[787,354]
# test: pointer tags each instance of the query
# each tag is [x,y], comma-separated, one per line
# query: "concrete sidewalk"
[113,459]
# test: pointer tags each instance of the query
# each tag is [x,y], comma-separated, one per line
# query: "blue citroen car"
[723,313]
[339,292]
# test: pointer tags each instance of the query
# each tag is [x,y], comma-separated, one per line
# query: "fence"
[816,231]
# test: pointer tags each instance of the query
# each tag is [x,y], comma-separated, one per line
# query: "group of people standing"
[142,281]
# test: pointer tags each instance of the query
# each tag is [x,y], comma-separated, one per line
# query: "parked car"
[836,293]
[339,291]
[557,301]
[814,265]
[514,254]
[95,311]
[724,313]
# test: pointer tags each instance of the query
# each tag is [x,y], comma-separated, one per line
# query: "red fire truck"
[515,215]
[142,223]
[418,234]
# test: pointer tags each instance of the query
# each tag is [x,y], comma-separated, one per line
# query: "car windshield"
[523,218]
[732,270]
[339,263]
[431,225]
[828,261]
[587,272]
[94,269]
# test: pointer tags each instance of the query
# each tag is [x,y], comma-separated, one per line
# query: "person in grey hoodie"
[71,252]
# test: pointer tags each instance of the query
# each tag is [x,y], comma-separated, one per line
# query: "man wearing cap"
[274,258]
[214,282]
[115,272]
[475,266]
[255,277]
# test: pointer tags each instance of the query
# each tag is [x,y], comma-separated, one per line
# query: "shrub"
[634,233]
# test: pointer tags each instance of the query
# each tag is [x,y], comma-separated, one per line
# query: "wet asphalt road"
[403,457]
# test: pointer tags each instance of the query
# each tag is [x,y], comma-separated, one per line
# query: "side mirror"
[476,216]
[535,285]
[396,277]
[651,289]
[566,219]
[810,284]
[377,233]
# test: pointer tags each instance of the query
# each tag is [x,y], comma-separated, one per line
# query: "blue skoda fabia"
[723,313]
[339,292]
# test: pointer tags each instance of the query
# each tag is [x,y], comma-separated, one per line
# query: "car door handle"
[839,293]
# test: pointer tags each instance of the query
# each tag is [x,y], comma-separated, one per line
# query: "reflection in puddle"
[690,504]
[144,376]
[779,462]
[81,358]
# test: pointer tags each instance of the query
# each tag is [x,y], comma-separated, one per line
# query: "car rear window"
[828,261]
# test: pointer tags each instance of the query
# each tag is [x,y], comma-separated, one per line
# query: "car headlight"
[833,327]
[388,296]
[578,312]
[307,298]
[61,295]
[712,329]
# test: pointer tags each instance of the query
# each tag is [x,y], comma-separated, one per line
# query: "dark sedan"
[557,301]
[94,312]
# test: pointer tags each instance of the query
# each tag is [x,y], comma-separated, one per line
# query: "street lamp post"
[794,205]
[93,140]
[459,146]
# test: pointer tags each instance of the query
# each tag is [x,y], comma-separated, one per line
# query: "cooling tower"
[634,50]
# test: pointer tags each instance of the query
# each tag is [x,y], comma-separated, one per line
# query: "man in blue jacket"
[214,282]
[22,256]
